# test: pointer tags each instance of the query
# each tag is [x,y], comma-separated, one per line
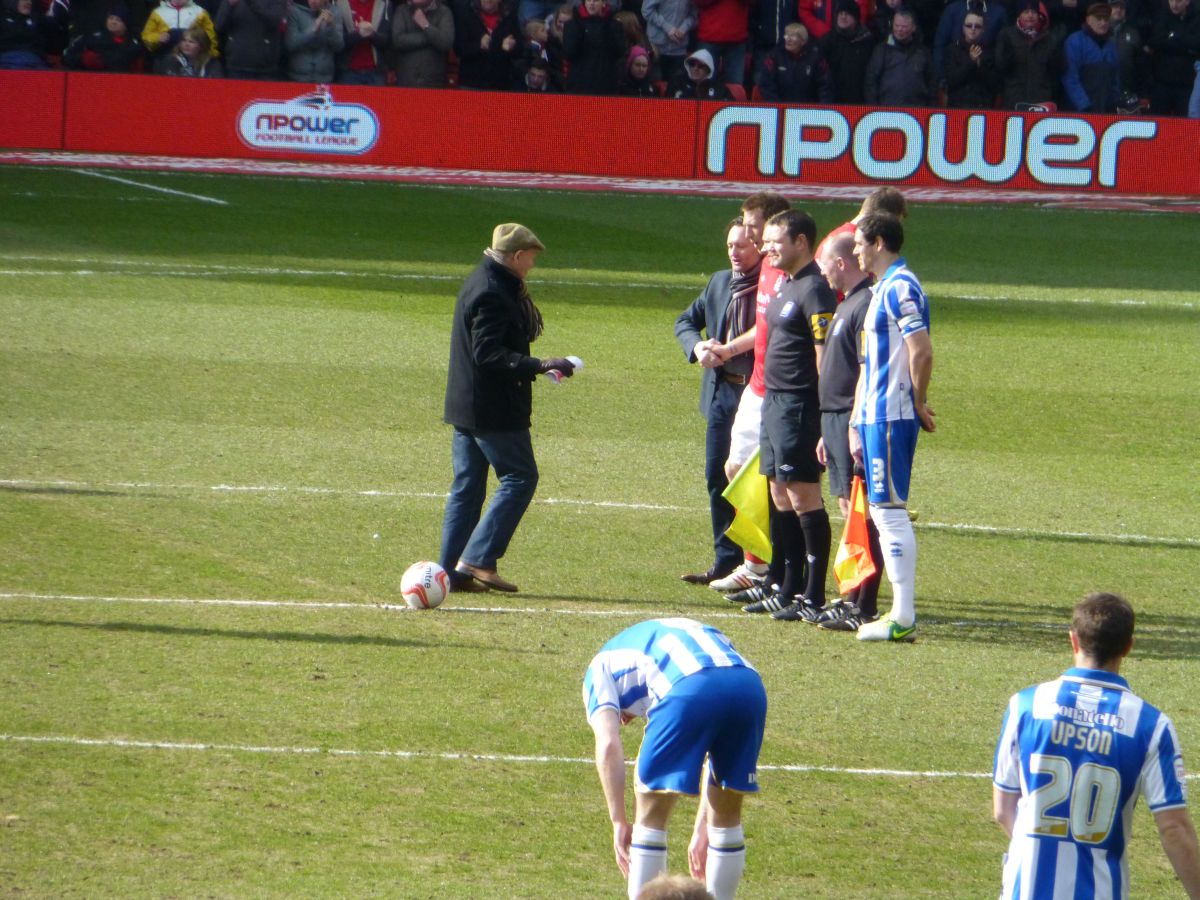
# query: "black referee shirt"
[797,319]
[843,350]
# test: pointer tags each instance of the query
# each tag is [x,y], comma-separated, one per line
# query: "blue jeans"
[465,535]
[726,554]
[730,60]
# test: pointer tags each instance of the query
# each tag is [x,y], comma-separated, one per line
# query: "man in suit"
[724,310]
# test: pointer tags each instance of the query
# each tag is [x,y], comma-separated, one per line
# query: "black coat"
[848,55]
[594,47]
[970,85]
[489,386]
[784,78]
[490,69]
[1028,68]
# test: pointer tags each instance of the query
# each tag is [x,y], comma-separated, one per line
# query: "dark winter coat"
[1175,41]
[848,55]
[900,74]
[1028,67]
[251,34]
[970,85]
[683,88]
[101,52]
[594,47]
[490,69]
[489,385]
[803,78]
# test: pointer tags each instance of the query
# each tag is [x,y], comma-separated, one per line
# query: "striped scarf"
[529,310]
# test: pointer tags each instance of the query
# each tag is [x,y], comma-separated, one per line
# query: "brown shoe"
[704,577]
[465,584]
[490,577]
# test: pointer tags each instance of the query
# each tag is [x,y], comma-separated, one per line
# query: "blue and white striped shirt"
[898,308]
[639,666]
[1080,750]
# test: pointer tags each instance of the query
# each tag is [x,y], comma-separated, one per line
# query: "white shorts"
[744,438]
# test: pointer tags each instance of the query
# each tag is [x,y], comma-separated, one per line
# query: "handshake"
[712,353]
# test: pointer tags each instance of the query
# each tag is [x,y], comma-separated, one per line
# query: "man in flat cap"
[489,399]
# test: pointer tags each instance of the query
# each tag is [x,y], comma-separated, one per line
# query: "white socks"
[647,857]
[899,545]
[726,860]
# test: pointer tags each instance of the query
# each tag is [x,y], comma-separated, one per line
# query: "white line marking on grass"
[122,744]
[1002,530]
[150,187]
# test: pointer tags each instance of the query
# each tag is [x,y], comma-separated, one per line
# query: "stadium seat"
[738,92]
[756,95]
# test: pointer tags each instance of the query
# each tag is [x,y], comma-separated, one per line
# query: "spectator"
[535,11]
[367,26]
[22,36]
[314,39]
[795,71]
[535,78]
[768,18]
[881,23]
[635,36]
[192,57]
[900,72]
[422,37]
[1067,14]
[1092,75]
[1131,51]
[722,29]
[820,16]
[556,28]
[971,79]
[635,81]
[112,49]
[252,36]
[488,44]
[847,50]
[697,82]
[593,46]
[1194,102]
[1175,45]
[669,23]
[1027,56]
[949,29]
[168,22]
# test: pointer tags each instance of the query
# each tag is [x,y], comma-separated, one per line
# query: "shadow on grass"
[68,490]
[1045,627]
[1051,537]
[368,640]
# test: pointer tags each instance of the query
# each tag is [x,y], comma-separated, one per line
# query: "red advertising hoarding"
[594,136]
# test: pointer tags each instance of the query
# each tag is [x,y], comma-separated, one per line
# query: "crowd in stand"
[1125,56]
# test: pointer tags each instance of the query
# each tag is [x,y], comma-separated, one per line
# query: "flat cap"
[511,237]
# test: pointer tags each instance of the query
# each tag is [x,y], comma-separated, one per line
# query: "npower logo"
[1058,151]
[311,123]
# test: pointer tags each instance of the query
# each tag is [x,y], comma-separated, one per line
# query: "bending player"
[702,700]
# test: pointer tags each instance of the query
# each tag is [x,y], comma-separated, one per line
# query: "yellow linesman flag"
[853,564]
[751,501]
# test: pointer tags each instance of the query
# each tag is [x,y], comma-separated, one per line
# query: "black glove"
[556,362]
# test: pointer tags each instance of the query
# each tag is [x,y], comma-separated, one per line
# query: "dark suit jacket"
[489,387]
[706,314]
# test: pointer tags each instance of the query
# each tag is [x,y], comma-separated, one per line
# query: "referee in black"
[798,318]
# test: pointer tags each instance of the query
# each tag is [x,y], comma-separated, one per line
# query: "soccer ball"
[424,585]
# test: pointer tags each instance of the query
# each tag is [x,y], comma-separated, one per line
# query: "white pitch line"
[121,744]
[1011,531]
[150,187]
[118,743]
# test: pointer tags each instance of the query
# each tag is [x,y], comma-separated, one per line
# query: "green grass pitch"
[242,401]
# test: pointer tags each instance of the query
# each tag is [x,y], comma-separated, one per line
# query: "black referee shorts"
[791,427]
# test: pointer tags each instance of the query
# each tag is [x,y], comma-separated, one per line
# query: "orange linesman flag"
[853,564]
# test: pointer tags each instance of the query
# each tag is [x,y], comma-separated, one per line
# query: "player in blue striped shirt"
[890,410]
[702,699]
[1074,755]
